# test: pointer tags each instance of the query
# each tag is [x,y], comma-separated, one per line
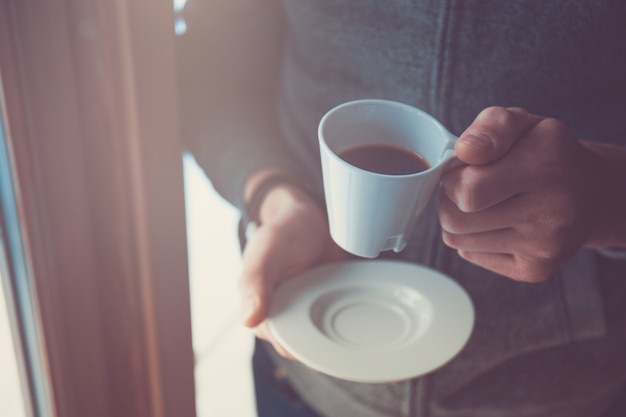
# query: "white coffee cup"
[370,212]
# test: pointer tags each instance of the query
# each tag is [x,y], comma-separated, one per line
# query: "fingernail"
[477,140]
[249,307]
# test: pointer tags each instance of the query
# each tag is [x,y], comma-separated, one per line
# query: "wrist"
[269,191]
[610,202]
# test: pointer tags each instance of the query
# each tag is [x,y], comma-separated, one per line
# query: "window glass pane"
[12,402]
[13,382]
[222,345]
[16,300]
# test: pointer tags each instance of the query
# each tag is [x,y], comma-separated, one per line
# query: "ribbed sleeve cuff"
[615,254]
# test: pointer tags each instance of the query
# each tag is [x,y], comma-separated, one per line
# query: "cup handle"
[449,159]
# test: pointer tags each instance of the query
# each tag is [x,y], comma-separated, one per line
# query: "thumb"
[255,285]
[254,296]
[494,131]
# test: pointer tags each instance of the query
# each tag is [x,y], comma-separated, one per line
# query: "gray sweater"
[272,69]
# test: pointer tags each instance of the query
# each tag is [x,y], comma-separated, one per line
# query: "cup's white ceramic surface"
[371,212]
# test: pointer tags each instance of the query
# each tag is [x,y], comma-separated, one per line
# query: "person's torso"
[452,59]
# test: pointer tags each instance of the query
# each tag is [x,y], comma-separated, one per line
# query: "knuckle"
[558,135]
[449,221]
[450,239]
[466,187]
[466,194]
[466,201]
[497,114]
[520,110]
[553,125]
[445,220]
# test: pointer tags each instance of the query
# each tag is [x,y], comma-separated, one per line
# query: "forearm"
[230,61]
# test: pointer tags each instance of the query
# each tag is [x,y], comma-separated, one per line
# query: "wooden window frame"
[90,100]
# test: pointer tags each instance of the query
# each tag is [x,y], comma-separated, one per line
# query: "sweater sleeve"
[229,64]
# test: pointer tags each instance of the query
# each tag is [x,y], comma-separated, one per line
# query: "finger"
[264,332]
[509,213]
[500,263]
[257,279]
[494,131]
[540,248]
[253,299]
[514,267]
[497,241]
[475,188]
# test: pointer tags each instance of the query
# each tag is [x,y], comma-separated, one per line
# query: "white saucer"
[372,321]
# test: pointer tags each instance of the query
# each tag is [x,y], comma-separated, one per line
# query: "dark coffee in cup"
[385,159]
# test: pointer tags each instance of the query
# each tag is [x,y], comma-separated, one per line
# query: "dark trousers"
[274,396]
